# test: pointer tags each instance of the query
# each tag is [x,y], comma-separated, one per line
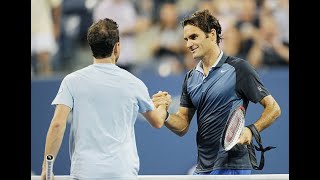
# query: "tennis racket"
[49,171]
[233,128]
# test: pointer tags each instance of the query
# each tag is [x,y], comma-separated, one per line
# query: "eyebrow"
[190,36]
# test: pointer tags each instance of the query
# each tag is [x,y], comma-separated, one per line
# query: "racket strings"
[234,128]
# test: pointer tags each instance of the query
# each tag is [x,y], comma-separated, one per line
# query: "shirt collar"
[199,66]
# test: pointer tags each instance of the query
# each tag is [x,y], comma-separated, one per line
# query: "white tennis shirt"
[105,101]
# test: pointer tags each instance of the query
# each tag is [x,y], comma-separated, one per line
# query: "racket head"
[233,128]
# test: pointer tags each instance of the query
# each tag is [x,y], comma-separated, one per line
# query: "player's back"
[106,104]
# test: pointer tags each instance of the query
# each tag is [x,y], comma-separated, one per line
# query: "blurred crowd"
[151,36]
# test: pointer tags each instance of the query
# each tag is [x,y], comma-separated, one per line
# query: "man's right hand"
[161,98]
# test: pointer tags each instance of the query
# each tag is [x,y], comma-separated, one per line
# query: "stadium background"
[164,70]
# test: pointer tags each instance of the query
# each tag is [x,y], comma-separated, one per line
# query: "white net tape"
[197,177]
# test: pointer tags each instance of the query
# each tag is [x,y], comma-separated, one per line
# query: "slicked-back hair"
[205,21]
[102,36]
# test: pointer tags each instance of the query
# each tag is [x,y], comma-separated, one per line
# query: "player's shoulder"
[189,73]
[131,77]
[68,77]
[73,75]
[238,62]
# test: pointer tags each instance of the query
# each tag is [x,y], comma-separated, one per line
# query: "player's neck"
[209,59]
[104,60]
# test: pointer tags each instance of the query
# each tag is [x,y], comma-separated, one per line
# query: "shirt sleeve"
[185,99]
[144,101]
[64,95]
[249,84]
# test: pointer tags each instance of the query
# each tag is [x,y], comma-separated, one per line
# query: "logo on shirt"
[259,88]
[224,70]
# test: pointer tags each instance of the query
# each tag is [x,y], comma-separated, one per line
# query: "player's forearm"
[54,139]
[157,116]
[177,124]
[161,115]
[271,112]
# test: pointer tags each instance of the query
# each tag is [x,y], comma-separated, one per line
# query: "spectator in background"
[145,8]
[207,4]
[167,41]
[268,48]
[157,6]
[280,11]
[45,30]
[185,7]
[247,24]
[231,40]
[123,12]
[75,20]
[142,39]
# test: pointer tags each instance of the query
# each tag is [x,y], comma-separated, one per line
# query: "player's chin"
[196,57]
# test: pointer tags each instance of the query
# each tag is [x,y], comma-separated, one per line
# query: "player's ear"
[212,34]
[116,48]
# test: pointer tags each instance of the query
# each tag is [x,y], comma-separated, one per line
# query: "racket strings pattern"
[233,128]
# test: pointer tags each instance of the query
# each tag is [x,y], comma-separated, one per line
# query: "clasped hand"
[162,98]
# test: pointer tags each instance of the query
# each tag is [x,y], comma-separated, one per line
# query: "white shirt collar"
[199,65]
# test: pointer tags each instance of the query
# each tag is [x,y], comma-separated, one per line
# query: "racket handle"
[49,166]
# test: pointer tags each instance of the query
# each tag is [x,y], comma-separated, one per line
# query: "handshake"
[162,98]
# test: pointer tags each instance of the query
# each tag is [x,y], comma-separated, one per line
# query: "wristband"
[167,117]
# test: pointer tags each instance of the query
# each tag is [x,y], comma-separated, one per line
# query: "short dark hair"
[102,36]
[205,21]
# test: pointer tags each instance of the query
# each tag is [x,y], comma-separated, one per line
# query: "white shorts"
[43,42]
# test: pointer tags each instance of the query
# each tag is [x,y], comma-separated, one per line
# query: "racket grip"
[49,166]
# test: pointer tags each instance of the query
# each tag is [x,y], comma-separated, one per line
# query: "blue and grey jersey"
[232,82]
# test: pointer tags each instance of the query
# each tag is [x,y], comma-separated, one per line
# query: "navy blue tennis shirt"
[232,82]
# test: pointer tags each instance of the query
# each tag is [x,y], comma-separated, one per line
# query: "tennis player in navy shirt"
[213,89]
